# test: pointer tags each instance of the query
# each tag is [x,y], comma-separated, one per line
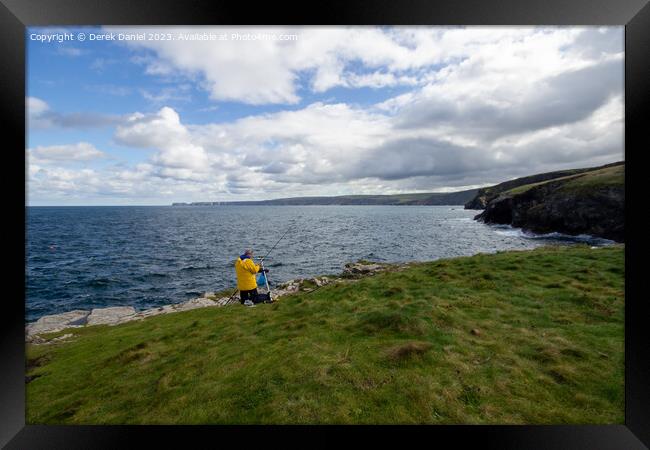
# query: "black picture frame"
[16,15]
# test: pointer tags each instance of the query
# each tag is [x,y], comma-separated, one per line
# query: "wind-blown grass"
[602,178]
[514,337]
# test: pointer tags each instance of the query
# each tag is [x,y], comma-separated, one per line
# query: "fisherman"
[246,270]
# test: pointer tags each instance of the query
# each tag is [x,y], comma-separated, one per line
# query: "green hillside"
[613,176]
[521,337]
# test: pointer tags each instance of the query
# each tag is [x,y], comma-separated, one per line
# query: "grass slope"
[514,337]
[609,176]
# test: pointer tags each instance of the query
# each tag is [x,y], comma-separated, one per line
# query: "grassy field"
[609,176]
[514,337]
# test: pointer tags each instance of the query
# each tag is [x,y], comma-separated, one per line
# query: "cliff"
[487,194]
[589,202]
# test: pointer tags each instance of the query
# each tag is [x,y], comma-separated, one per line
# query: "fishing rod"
[281,237]
[262,263]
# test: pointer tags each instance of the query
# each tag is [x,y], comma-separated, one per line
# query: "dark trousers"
[248,295]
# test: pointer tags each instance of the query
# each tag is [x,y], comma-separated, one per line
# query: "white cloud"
[35,106]
[260,72]
[163,131]
[330,146]
[167,94]
[493,110]
[41,116]
[484,105]
[81,151]
[379,80]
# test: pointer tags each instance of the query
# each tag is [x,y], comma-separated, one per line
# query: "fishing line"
[285,233]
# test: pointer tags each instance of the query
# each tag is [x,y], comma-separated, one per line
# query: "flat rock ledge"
[116,315]
[57,322]
[365,268]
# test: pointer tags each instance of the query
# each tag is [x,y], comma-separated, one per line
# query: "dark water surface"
[88,257]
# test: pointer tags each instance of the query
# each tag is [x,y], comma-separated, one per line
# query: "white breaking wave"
[510,231]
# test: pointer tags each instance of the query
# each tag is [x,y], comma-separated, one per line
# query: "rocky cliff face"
[487,194]
[483,196]
[591,203]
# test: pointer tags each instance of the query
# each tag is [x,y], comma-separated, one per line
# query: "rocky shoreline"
[116,315]
[541,210]
[590,202]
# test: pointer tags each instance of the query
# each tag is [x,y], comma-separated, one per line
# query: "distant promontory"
[431,198]
[581,201]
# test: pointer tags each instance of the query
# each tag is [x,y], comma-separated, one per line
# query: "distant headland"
[431,198]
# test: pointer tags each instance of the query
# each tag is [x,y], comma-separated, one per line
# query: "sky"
[156,115]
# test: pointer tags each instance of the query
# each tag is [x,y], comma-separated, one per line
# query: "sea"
[147,256]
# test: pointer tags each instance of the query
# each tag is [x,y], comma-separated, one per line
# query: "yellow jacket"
[246,270]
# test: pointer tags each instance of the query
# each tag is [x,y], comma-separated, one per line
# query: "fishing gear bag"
[261,298]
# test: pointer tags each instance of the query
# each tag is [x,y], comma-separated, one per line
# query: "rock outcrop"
[58,322]
[110,316]
[363,268]
[590,203]
[486,195]
[114,315]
